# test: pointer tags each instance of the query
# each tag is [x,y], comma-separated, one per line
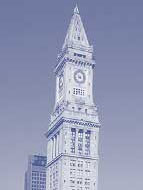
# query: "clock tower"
[73,133]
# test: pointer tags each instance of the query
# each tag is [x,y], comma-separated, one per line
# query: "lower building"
[35,176]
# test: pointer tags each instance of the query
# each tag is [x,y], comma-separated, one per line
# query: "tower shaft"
[73,134]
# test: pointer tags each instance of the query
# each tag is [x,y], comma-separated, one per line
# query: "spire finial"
[76,33]
[76,11]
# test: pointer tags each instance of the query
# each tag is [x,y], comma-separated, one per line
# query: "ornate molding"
[71,121]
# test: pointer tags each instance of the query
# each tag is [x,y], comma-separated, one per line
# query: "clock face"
[79,76]
[61,82]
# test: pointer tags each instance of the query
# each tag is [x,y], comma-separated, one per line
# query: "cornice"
[72,156]
[81,62]
[71,121]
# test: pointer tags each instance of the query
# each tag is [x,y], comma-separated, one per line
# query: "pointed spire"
[76,10]
[76,33]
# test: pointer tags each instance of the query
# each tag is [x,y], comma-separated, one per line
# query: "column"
[53,148]
[55,145]
[60,141]
[50,149]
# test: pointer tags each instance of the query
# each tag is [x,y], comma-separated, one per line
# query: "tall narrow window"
[80,141]
[87,142]
[73,139]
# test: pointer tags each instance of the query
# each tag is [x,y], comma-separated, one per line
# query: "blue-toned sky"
[31,35]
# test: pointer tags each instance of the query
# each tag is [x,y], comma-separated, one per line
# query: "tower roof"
[76,33]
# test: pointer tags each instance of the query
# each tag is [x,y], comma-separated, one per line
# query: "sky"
[32,33]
